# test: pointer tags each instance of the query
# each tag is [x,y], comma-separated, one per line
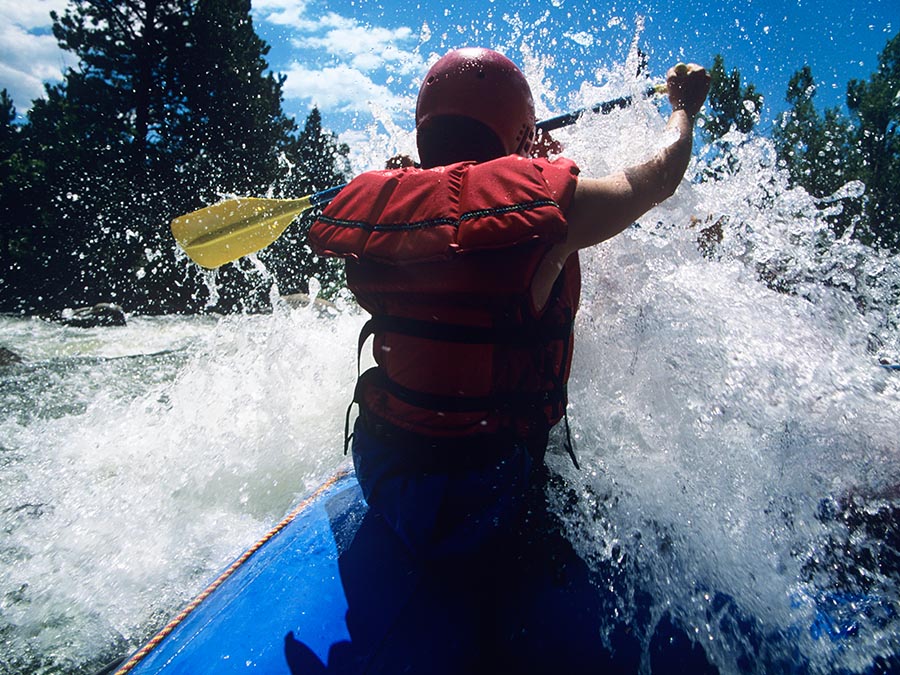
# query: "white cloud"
[30,14]
[29,54]
[22,87]
[344,39]
[281,12]
[367,48]
[338,64]
[339,88]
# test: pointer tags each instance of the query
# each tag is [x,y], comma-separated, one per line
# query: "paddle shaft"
[604,108]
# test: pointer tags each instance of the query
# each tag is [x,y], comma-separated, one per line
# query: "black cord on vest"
[569,447]
[347,435]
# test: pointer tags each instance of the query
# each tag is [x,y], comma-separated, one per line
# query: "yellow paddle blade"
[226,231]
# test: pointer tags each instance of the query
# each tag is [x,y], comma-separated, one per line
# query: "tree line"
[823,150]
[171,107]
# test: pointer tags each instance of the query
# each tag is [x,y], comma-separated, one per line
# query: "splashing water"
[120,502]
[739,442]
[736,435]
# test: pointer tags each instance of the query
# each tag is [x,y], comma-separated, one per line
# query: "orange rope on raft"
[169,627]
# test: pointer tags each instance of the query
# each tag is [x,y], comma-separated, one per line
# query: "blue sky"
[360,60]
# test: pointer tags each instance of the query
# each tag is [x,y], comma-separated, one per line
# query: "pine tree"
[95,140]
[226,133]
[14,239]
[815,149]
[229,134]
[122,51]
[319,162]
[325,159]
[875,106]
[82,187]
[235,140]
[730,105]
[818,152]
[170,107]
[9,146]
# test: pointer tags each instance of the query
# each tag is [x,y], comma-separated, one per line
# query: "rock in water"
[101,314]
[8,357]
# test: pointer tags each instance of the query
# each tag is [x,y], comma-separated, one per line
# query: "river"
[737,436]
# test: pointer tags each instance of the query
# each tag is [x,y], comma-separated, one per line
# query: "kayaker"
[468,265]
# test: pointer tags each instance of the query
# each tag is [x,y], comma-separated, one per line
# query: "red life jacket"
[443,260]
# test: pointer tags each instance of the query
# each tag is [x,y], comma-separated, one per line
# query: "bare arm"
[602,207]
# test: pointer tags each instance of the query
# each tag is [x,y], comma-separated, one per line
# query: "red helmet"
[485,86]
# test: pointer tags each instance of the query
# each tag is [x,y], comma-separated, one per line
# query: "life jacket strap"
[513,335]
[509,400]
[456,333]
[570,448]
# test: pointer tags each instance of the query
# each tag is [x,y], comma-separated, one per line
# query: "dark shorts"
[499,588]
[439,507]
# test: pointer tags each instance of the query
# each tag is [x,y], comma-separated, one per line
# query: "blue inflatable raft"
[287,584]
[331,590]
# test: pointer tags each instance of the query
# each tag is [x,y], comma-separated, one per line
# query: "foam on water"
[116,513]
[721,420]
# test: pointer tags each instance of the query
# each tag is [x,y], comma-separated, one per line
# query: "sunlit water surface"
[738,444]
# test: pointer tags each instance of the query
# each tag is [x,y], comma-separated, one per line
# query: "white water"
[718,423]
[128,480]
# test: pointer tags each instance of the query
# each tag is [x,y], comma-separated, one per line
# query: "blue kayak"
[332,590]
